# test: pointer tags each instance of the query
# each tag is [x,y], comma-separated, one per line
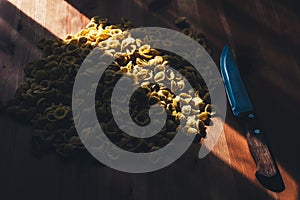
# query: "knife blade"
[267,171]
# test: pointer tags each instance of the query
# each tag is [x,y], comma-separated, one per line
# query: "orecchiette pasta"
[160,75]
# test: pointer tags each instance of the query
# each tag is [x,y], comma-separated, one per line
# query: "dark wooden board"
[264,36]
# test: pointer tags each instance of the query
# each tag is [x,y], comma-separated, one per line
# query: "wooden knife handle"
[267,170]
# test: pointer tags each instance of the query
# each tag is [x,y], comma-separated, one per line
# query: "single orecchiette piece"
[198,102]
[170,75]
[186,110]
[204,116]
[159,68]
[191,130]
[156,60]
[159,77]
[185,98]
[181,85]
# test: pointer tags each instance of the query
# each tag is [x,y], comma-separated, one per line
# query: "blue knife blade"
[235,89]
[267,171]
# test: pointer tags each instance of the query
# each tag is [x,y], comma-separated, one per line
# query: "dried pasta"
[44,98]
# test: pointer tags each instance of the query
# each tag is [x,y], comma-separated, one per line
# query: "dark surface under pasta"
[264,38]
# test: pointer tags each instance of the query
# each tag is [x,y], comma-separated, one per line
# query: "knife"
[267,171]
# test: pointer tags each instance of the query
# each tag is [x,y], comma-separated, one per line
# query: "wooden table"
[264,37]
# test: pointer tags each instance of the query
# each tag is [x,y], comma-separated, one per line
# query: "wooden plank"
[253,61]
[228,172]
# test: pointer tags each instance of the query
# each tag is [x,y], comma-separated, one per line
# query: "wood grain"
[264,38]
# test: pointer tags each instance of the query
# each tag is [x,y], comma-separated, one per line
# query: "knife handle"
[267,171]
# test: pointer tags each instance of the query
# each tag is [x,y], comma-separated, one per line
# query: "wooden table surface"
[264,37]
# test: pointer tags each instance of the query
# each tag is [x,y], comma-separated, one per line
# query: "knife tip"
[226,47]
[224,54]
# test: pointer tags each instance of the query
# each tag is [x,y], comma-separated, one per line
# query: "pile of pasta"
[44,99]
